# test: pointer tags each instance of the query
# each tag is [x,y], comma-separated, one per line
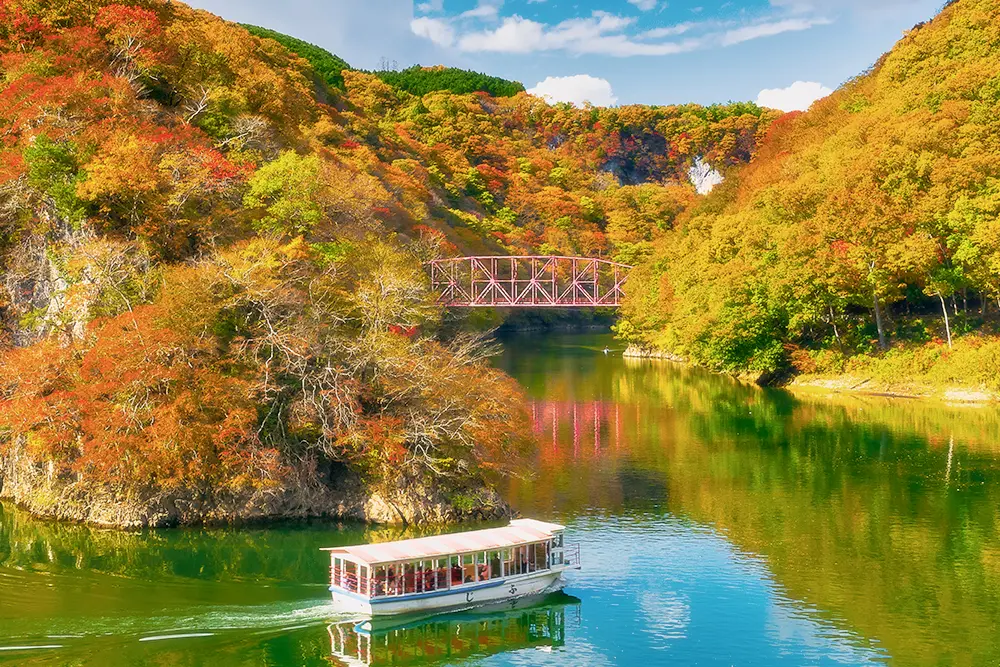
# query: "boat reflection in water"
[489,630]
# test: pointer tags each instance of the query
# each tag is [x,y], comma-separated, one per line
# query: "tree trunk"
[879,323]
[947,324]
[836,334]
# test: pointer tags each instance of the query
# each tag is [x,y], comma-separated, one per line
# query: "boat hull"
[465,597]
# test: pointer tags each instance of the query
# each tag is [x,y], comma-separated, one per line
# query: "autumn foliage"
[211,282]
[220,384]
[868,220]
[211,244]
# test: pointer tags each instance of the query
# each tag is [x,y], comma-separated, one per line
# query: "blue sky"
[610,51]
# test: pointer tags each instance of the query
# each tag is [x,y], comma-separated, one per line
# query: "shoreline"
[560,327]
[858,386]
[853,385]
[408,501]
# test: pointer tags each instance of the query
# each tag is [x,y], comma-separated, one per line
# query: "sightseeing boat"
[451,572]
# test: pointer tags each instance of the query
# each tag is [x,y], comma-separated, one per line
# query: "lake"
[720,524]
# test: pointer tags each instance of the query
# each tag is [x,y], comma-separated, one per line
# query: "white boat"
[451,572]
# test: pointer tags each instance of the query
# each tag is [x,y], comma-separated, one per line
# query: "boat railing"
[571,556]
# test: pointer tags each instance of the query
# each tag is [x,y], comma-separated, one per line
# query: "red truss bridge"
[528,282]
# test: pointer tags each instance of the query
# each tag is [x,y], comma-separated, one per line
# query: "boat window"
[338,566]
[482,566]
[363,580]
[557,540]
[396,579]
[427,576]
[496,569]
[542,556]
[409,578]
[350,577]
[468,568]
[441,573]
[456,570]
[380,582]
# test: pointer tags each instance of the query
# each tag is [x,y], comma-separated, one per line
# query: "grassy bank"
[965,373]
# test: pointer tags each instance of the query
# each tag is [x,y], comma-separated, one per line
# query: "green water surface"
[720,524]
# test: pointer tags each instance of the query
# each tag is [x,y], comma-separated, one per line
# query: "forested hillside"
[416,79]
[213,304]
[869,222]
[326,65]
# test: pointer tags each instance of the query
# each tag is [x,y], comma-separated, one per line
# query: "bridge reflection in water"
[453,637]
[594,424]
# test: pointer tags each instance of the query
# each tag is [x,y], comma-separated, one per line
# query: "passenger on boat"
[456,574]
[392,580]
[495,567]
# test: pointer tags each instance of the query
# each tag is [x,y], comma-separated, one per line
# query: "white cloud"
[669,31]
[643,5]
[601,33]
[515,35]
[431,6]
[438,31]
[484,10]
[864,6]
[576,90]
[769,29]
[797,97]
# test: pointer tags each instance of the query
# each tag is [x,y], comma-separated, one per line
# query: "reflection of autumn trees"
[221,555]
[880,511]
[286,554]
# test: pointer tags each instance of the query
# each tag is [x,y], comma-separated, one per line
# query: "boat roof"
[520,531]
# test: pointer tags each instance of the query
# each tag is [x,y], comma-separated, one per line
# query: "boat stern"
[350,604]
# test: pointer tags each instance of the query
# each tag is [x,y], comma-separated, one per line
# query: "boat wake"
[273,618]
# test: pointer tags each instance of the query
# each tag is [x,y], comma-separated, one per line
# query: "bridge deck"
[528,281]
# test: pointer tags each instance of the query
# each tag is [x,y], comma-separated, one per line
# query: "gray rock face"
[411,500]
[636,352]
[36,286]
